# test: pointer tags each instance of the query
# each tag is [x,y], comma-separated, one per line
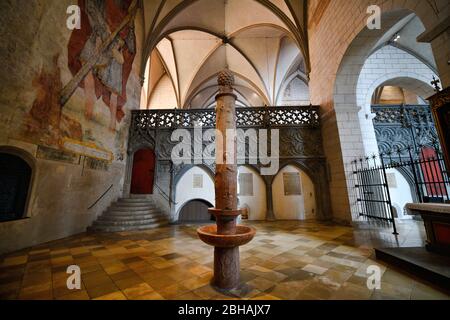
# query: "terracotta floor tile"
[77,295]
[261,284]
[117,295]
[286,260]
[37,295]
[137,291]
[101,290]
[173,291]
[150,296]
[126,283]
[161,282]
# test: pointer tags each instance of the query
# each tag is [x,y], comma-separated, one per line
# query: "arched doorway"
[143,173]
[15,178]
[195,211]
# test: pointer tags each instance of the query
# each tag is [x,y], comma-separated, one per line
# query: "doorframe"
[31,161]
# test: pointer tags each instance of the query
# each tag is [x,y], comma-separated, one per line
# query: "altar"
[436,218]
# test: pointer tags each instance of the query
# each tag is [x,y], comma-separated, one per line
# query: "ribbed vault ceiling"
[189,42]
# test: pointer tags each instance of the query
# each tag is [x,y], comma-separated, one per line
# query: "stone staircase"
[128,214]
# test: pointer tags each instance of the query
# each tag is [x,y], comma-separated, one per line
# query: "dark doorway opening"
[143,172]
[15,178]
[195,211]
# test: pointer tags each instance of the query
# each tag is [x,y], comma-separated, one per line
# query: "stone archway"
[412,75]
[195,211]
[17,171]
[195,182]
[343,139]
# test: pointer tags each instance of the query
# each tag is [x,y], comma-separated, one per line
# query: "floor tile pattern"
[286,260]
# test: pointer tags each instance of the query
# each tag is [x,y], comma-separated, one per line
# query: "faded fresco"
[109,77]
[45,123]
[98,103]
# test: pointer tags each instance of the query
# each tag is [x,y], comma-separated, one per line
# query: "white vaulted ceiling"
[188,42]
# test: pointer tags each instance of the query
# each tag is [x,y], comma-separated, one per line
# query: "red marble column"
[226,260]
[225,236]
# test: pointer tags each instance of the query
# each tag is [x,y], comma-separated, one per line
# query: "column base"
[226,268]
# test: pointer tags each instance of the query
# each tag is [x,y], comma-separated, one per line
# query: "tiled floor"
[286,260]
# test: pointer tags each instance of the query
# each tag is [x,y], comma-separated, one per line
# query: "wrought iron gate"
[421,165]
[374,199]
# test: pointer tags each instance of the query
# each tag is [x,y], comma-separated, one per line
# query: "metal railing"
[404,114]
[399,126]
[423,168]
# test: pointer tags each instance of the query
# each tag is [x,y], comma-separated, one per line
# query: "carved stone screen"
[292,185]
[198,181]
[246,184]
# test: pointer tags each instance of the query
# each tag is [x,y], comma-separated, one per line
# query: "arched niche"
[193,184]
[252,193]
[291,201]
[17,179]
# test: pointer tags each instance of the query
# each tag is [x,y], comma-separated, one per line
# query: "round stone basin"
[208,234]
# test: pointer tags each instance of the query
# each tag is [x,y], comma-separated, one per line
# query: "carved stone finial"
[225,78]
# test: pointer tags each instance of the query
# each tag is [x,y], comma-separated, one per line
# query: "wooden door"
[143,172]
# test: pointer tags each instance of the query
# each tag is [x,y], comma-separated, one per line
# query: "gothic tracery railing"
[296,116]
[399,126]
[402,114]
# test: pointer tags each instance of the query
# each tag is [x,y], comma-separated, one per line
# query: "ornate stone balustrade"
[307,116]
[300,143]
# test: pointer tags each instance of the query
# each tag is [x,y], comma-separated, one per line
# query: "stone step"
[134,205]
[127,214]
[131,217]
[127,222]
[140,196]
[125,228]
[141,207]
[137,205]
[123,212]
